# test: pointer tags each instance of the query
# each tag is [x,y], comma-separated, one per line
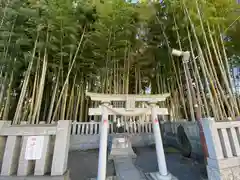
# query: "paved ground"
[182,169]
[83,164]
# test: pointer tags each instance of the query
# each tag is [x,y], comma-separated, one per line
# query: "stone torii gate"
[129,110]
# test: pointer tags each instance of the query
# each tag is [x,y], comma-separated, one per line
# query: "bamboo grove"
[53,51]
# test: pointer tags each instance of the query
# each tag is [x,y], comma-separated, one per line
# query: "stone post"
[61,148]
[25,167]
[102,161]
[3,139]
[214,146]
[222,143]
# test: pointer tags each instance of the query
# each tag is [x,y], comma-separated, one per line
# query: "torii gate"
[130,110]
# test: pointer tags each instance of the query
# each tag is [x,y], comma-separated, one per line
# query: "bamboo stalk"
[78,102]
[54,95]
[201,60]
[25,83]
[41,85]
[7,103]
[66,80]
[198,80]
[71,100]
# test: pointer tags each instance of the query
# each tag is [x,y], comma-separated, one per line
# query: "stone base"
[121,146]
[222,174]
[45,177]
[157,176]
[108,178]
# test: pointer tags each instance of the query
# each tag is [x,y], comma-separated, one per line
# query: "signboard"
[34,147]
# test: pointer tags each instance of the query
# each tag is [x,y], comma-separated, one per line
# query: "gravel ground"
[83,164]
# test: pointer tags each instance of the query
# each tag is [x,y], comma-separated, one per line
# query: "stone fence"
[31,152]
[91,128]
[223,143]
[222,138]
[86,135]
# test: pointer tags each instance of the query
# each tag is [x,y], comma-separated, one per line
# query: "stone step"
[108,178]
[126,170]
[152,176]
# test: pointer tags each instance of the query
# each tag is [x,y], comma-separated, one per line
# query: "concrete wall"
[86,136]
[85,142]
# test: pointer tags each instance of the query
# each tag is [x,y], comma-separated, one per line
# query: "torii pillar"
[162,173]
[102,162]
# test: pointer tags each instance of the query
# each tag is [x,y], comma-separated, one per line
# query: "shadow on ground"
[181,168]
[83,164]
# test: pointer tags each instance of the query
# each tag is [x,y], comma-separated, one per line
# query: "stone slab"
[63,177]
[121,146]
[108,178]
[157,176]
[126,170]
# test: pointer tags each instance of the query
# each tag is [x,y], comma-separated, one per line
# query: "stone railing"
[31,151]
[223,143]
[86,135]
[85,128]
[93,128]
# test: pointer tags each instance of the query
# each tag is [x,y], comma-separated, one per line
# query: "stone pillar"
[11,155]
[3,140]
[214,146]
[61,148]
[74,128]
[162,166]
[102,160]
[218,166]
[41,165]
